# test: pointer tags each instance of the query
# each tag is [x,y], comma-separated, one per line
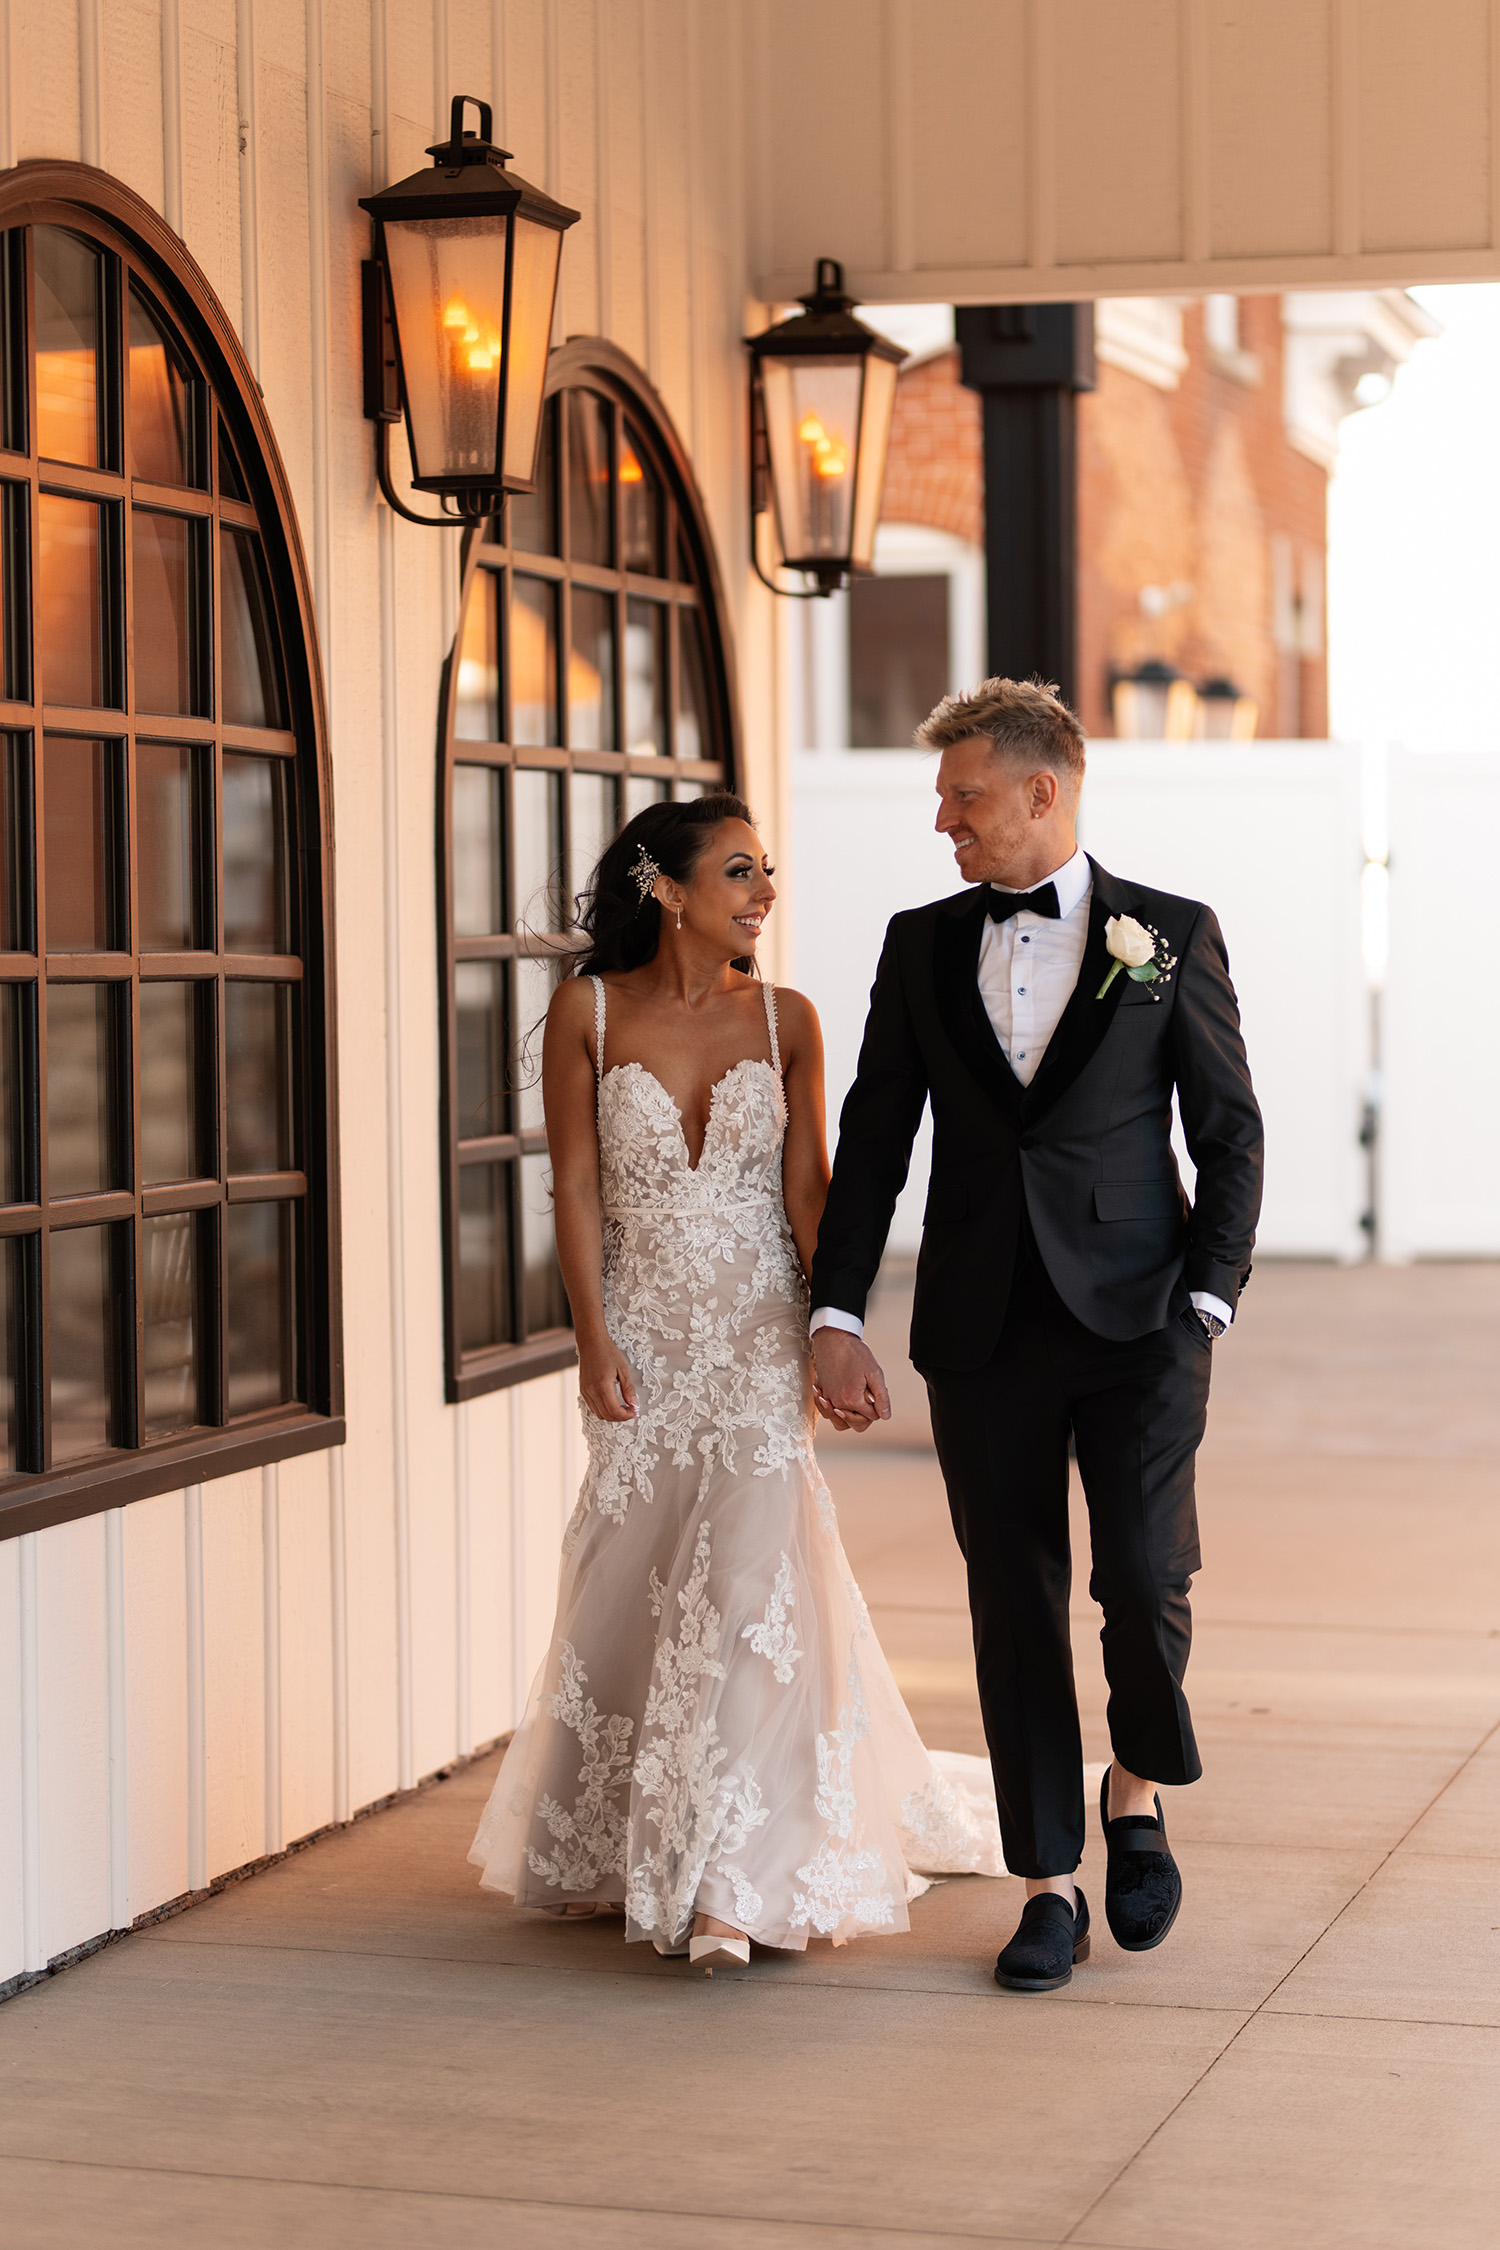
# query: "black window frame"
[136,246]
[690,585]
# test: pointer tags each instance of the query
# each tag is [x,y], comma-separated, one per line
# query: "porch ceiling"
[981,151]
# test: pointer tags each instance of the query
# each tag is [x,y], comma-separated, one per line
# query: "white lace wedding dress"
[715,1729]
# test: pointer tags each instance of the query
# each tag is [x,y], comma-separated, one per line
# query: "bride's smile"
[726,900]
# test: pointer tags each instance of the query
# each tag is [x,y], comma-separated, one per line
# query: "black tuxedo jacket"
[1086,1147]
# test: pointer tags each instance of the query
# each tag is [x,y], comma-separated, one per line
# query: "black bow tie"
[1043,900]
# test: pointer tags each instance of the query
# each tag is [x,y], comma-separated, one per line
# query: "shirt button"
[1021,1057]
[1025,940]
[1020,991]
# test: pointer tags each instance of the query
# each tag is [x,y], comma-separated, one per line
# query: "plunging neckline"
[746,1062]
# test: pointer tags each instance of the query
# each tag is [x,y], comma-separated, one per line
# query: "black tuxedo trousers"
[1136,1413]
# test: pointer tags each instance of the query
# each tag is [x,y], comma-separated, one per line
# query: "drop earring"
[679,917]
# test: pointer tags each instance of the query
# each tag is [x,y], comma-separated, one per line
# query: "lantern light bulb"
[811,430]
[456,314]
[631,471]
[482,354]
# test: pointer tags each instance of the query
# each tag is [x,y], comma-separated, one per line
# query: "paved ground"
[359,2049]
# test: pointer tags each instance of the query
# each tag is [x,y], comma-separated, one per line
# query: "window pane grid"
[153,1266]
[564,714]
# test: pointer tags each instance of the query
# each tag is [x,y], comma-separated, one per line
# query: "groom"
[1065,1287]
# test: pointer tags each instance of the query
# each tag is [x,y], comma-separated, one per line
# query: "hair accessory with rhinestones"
[646,873]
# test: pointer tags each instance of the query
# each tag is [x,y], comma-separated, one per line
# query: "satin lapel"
[1086,1018]
[955,967]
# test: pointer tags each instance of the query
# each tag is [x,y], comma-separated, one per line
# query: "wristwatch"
[1213,1326]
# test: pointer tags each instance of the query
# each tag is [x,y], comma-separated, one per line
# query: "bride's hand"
[847,1382]
[605,1384]
[831,1413]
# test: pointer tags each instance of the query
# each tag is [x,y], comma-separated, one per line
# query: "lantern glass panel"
[812,423]
[876,409]
[448,285]
[533,287]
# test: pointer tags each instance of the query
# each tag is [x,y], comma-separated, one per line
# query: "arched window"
[167,1266]
[592,676]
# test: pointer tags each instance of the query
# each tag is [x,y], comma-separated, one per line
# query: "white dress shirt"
[1029,965]
[1028,968]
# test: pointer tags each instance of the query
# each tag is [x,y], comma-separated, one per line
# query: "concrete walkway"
[358,2048]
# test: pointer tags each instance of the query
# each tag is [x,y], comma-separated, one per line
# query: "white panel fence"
[1270,835]
[1440,1014]
[1273,836]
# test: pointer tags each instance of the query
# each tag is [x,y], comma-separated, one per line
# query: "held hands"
[604,1382]
[847,1383]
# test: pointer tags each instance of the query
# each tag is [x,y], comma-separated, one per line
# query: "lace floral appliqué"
[842,1884]
[701,1817]
[590,1839]
[775,1637]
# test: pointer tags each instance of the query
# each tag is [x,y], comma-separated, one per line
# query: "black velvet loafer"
[1051,1937]
[1142,1888]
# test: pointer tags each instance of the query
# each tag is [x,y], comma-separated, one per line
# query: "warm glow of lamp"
[823,388]
[458,319]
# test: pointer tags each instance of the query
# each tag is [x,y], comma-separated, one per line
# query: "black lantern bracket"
[505,227]
[825,330]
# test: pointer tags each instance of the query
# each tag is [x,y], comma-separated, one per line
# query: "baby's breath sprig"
[1140,950]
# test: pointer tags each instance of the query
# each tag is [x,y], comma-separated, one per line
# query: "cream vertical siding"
[985,151]
[200,1679]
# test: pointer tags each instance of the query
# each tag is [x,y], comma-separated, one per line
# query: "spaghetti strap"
[598,985]
[770,993]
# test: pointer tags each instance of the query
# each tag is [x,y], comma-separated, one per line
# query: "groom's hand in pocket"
[848,1385]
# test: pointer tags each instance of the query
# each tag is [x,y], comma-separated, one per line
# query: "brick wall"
[935,468]
[1199,489]
[1195,491]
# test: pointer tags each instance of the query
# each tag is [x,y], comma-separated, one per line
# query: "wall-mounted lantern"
[822,392]
[1224,713]
[1154,703]
[458,302]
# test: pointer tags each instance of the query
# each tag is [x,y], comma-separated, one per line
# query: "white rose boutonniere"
[1141,952]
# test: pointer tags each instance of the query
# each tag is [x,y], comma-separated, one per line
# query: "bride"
[715,1742]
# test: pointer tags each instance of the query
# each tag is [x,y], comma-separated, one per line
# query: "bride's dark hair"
[622,928]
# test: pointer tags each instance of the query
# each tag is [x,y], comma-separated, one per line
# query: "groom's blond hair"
[1019,718]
